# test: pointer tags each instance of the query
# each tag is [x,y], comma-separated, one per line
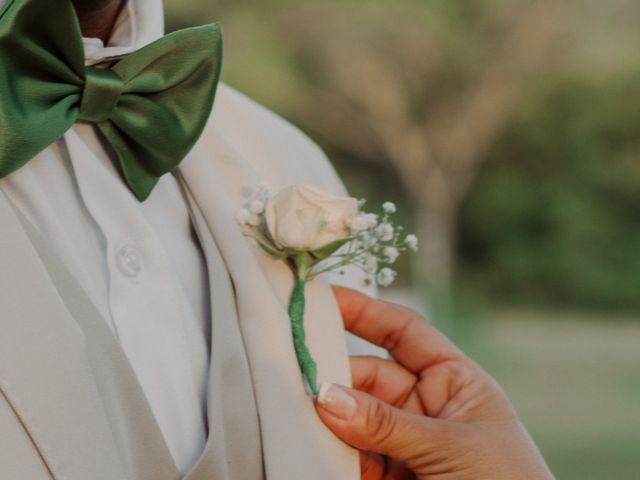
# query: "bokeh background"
[508,132]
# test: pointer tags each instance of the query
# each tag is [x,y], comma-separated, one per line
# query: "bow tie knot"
[102,90]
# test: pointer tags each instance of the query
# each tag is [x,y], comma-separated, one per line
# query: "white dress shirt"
[140,263]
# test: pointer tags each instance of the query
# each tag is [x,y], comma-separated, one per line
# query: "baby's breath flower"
[242,216]
[371,219]
[412,242]
[263,188]
[368,241]
[389,207]
[357,224]
[386,232]
[386,276]
[254,220]
[391,254]
[256,207]
[362,222]
[370,265]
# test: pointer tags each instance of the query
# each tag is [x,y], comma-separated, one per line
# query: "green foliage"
[554,217]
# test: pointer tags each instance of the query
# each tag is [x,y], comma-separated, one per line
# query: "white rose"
[304,218]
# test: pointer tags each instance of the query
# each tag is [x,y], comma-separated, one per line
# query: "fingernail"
[336,401]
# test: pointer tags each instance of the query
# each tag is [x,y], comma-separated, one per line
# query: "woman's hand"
[430,414]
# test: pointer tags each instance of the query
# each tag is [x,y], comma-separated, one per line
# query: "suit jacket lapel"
[233,449]
[295,442]
[44,371]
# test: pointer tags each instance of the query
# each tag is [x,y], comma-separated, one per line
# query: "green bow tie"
[151,106]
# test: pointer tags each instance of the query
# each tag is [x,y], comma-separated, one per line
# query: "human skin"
[431,413]
[97,17]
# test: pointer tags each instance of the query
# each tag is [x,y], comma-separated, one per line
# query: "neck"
[97,17]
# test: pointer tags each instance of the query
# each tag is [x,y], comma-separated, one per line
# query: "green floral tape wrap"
[296,314]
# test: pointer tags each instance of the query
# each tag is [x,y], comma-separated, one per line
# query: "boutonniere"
[314,233]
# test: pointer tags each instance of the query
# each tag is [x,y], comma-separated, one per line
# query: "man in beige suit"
[151,340]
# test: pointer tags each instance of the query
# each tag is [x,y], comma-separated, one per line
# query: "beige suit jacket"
[55,420]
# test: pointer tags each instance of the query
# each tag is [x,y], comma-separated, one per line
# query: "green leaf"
[269,249]
[330,248]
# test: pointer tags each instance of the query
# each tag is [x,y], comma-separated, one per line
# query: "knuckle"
[394,337]
[380,423]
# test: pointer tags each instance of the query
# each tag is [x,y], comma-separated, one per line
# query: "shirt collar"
[140,23]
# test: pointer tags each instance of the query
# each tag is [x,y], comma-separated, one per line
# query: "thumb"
[367,423]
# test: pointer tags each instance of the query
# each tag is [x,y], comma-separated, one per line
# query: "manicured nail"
[336,401]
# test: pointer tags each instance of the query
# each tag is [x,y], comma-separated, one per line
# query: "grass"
[575,380]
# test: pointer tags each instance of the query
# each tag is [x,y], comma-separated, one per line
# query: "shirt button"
[129,260]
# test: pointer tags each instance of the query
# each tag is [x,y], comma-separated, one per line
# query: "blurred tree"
[427,87]
[561,224]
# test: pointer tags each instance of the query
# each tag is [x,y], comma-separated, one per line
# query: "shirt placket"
[149,310]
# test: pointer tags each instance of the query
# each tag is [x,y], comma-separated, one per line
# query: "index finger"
[410,340]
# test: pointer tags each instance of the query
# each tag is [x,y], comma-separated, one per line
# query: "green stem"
[296,314]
